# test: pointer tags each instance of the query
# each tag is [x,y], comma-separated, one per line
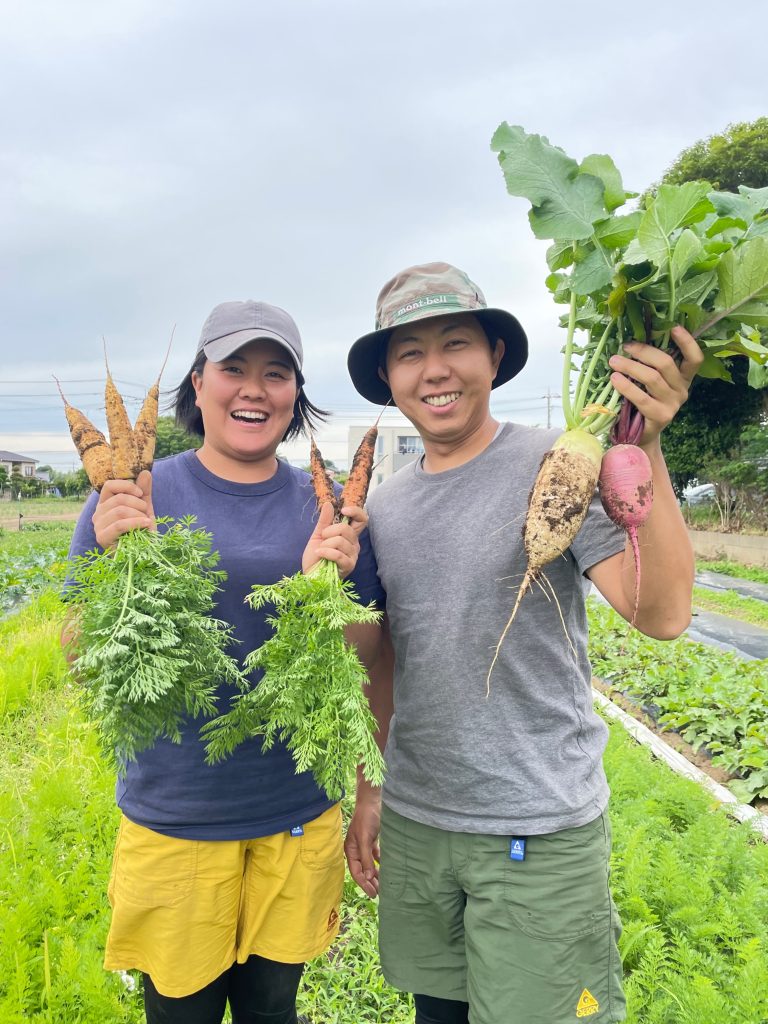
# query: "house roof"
[13,457]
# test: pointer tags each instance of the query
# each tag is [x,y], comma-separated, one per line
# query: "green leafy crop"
[148,653]
[311,694]
[693,256]
[712,698]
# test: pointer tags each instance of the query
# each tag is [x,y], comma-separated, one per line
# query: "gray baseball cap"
[429,290]
[231,325]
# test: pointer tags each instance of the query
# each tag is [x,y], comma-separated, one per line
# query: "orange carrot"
[356,488]
[125,456]
[320,480]
[92,447]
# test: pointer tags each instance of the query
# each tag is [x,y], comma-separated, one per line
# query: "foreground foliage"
[691,887]
[692,891]
[712,698]
[148,654]
[312,693]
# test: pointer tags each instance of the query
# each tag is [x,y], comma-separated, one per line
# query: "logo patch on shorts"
[333,919]
[587,1004]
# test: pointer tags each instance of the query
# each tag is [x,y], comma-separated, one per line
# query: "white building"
[396,446]
[22,464]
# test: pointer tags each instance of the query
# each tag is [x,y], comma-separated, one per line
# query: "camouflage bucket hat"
[431,289]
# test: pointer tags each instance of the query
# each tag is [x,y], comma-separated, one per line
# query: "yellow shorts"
[184,911]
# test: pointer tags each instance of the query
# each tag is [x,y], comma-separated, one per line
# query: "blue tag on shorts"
[517,849]
[297,830]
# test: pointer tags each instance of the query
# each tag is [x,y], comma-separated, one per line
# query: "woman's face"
[246,402]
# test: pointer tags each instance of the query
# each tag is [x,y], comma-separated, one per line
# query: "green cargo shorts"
[531,940]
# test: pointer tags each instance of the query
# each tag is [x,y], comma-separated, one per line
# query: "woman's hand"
[665,383]
[123,506]
[338,542]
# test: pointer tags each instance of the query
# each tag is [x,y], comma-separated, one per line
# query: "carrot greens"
[148,653]
[311,695]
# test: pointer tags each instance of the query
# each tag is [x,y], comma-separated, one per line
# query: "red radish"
[626,483]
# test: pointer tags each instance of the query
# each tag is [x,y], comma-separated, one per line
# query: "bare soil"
[10,524]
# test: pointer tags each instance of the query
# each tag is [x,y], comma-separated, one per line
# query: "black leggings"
[431,1010]
[259,992]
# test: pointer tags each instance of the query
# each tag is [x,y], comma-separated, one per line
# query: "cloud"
[158,159]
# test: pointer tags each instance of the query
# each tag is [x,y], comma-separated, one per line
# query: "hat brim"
[365,356]
[223,348]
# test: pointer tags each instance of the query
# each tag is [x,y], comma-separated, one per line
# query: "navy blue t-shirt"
[260,531]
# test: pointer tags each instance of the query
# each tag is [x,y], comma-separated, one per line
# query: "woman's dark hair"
[306,416]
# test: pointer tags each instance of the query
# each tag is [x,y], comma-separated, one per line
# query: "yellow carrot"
[92,447]
[145,428]
[125,456]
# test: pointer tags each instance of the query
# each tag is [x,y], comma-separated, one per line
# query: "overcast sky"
[159,158]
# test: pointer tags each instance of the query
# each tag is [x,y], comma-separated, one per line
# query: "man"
[494,903]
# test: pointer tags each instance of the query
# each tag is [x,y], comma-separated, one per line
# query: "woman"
[227,878]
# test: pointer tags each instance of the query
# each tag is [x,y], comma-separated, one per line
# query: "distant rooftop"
[13,457]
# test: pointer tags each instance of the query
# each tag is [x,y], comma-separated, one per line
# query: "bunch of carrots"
[311,694]
[146,652]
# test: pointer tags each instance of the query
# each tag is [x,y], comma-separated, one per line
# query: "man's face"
[440,370]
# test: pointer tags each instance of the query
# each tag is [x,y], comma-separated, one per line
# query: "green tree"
[736,156]
[73,484]
[709,426]
[3,479]
[741,481]
[172,439]
[17,483]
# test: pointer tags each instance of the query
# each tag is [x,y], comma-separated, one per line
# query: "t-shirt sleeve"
[598,538]
[83,539]
[365,575]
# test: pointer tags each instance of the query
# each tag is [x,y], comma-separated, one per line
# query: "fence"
[737,547]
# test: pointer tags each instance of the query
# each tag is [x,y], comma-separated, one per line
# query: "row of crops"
[691,886]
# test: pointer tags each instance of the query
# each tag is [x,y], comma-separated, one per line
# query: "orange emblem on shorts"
[587,1004]
[333,920]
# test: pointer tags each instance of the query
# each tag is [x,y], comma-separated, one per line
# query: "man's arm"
[374,648]
[666,579]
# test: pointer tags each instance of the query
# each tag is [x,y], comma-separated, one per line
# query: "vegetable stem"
[570,420]
[586,372]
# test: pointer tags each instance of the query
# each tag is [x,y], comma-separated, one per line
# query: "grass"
[32,507]
[746,609]
[736,569]
[691,886]
[54,533]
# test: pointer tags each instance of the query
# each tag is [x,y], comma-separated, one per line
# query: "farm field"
[38,508]
[691,886]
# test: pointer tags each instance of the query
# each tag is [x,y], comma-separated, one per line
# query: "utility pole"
[549,396]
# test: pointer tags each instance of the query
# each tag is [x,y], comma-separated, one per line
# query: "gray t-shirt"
[527,759]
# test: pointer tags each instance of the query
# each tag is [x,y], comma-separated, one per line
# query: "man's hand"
[665,383]
[362,842]
[337,542]
[123,506]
